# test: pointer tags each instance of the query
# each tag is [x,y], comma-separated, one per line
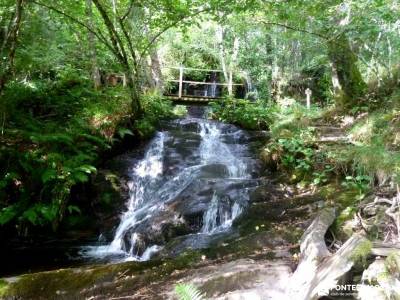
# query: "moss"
[361,252]
[69,283]
[392,264]
[292,234]
[3,287]
[339,196]
[339,225]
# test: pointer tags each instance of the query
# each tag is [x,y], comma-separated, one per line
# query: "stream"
[192,183]
[186,188]
[197,205]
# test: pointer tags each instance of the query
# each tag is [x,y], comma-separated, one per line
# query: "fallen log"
[319,270]
[378,283]
[384,249]
[312,250]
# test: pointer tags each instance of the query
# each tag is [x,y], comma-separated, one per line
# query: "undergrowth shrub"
[244,113]
[53,134]
[155,108]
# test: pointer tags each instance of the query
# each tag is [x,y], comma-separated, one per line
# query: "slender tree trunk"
[276,72]
[114,8]
[347,81]
[220,40]
[120,53]
[236,44]
[9,45]
[156,70]
[133,85]
[92,47]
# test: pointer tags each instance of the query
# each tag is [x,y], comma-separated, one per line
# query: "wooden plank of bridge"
[192,97]
[204,83]
[186,98]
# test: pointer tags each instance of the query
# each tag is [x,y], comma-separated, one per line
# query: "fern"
[188,292]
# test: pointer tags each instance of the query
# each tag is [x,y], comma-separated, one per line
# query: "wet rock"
[242,279]
[265,193]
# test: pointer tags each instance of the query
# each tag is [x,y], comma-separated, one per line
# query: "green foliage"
[53,133]
[188,292]
[292,141]
[180,110]
[249,115]
[360,183]
[39,184]
[155,108]
[376,163]
[322,177]
[3,287]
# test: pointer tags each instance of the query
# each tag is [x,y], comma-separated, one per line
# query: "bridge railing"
[210,89]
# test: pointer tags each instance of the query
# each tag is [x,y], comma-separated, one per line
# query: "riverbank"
[56,136]
[266,233]
[357,151]
[295,186]
[267,240]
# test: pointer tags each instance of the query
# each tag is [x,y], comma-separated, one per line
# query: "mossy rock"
[104,281]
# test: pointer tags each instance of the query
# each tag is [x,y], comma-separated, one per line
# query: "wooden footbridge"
[182,90]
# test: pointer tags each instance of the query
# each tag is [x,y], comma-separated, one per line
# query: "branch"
[296,29]
[154,38]
[128,11]
[99,35]
[130,45]
[115,39]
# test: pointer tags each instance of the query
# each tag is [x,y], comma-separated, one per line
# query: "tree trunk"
[133,85]
[220,40]
[9,45]
[347,81]
[156,74]
[92,47]
[318,270]
[236,44]
[119,50]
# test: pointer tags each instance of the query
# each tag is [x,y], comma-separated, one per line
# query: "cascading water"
[145,176]
[194,167]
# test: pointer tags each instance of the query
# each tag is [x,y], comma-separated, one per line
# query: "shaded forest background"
[79,78]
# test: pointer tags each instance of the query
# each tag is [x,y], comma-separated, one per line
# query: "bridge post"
[308,100]
[180,82]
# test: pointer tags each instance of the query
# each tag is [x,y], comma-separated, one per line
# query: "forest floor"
[318,159]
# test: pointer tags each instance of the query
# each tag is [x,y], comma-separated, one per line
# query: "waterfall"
[220,215]
[213,89]
[213,150]
[144,175]
[154,184]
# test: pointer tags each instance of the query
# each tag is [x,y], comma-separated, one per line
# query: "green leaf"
[124,131]
[49,174]
[73,208]
[48,212]
[80,177]
[7,214]
[87,169]
[31,215]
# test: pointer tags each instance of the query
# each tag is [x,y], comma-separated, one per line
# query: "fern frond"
[188,292]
